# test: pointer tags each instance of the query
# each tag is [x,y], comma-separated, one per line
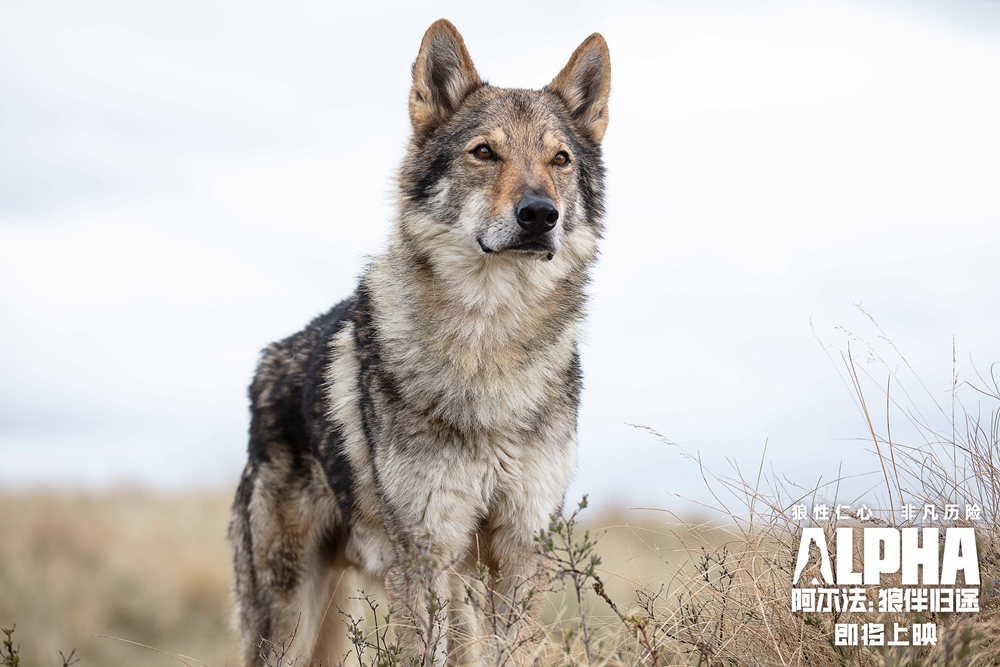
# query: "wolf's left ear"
[443,75]
[585,83]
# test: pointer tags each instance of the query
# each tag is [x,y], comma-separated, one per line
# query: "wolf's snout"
[537,215]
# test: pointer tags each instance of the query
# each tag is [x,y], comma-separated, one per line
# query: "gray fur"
[434,412]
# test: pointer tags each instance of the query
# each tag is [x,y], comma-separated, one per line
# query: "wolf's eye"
[561,158]
[483,152]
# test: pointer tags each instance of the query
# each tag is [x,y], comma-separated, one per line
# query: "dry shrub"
[730,605]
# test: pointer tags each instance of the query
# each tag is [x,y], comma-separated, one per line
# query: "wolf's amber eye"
[483,152]
[561,158]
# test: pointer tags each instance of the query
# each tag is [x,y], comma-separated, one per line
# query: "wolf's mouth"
[532,247]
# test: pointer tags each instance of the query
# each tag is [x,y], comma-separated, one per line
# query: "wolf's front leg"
[520,578]
[424,588]
[418,591]
[518,585]
[433,512]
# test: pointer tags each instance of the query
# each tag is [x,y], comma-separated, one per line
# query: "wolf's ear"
[585,83]
[443,75]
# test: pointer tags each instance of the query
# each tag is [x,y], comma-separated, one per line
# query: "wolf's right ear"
[443,75]
[585,84]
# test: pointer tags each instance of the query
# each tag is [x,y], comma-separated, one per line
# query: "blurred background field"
[133,564]
[155,568]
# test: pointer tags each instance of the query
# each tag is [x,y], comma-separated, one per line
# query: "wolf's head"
[504,175]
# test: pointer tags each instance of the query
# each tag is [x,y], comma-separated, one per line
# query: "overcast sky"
[183,182]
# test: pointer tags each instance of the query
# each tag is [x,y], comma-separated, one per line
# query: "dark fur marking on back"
[289,405]
[326,437]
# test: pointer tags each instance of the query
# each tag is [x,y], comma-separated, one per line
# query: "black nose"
[537,214]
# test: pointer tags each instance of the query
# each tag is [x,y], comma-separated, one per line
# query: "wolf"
[432,415]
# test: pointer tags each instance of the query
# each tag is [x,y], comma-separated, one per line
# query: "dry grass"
[150,568]
[155,569]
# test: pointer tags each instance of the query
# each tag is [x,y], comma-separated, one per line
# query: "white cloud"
[344,197]
[118,262]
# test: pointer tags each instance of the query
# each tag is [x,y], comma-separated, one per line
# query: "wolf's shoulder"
[294,354]
[288,401]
